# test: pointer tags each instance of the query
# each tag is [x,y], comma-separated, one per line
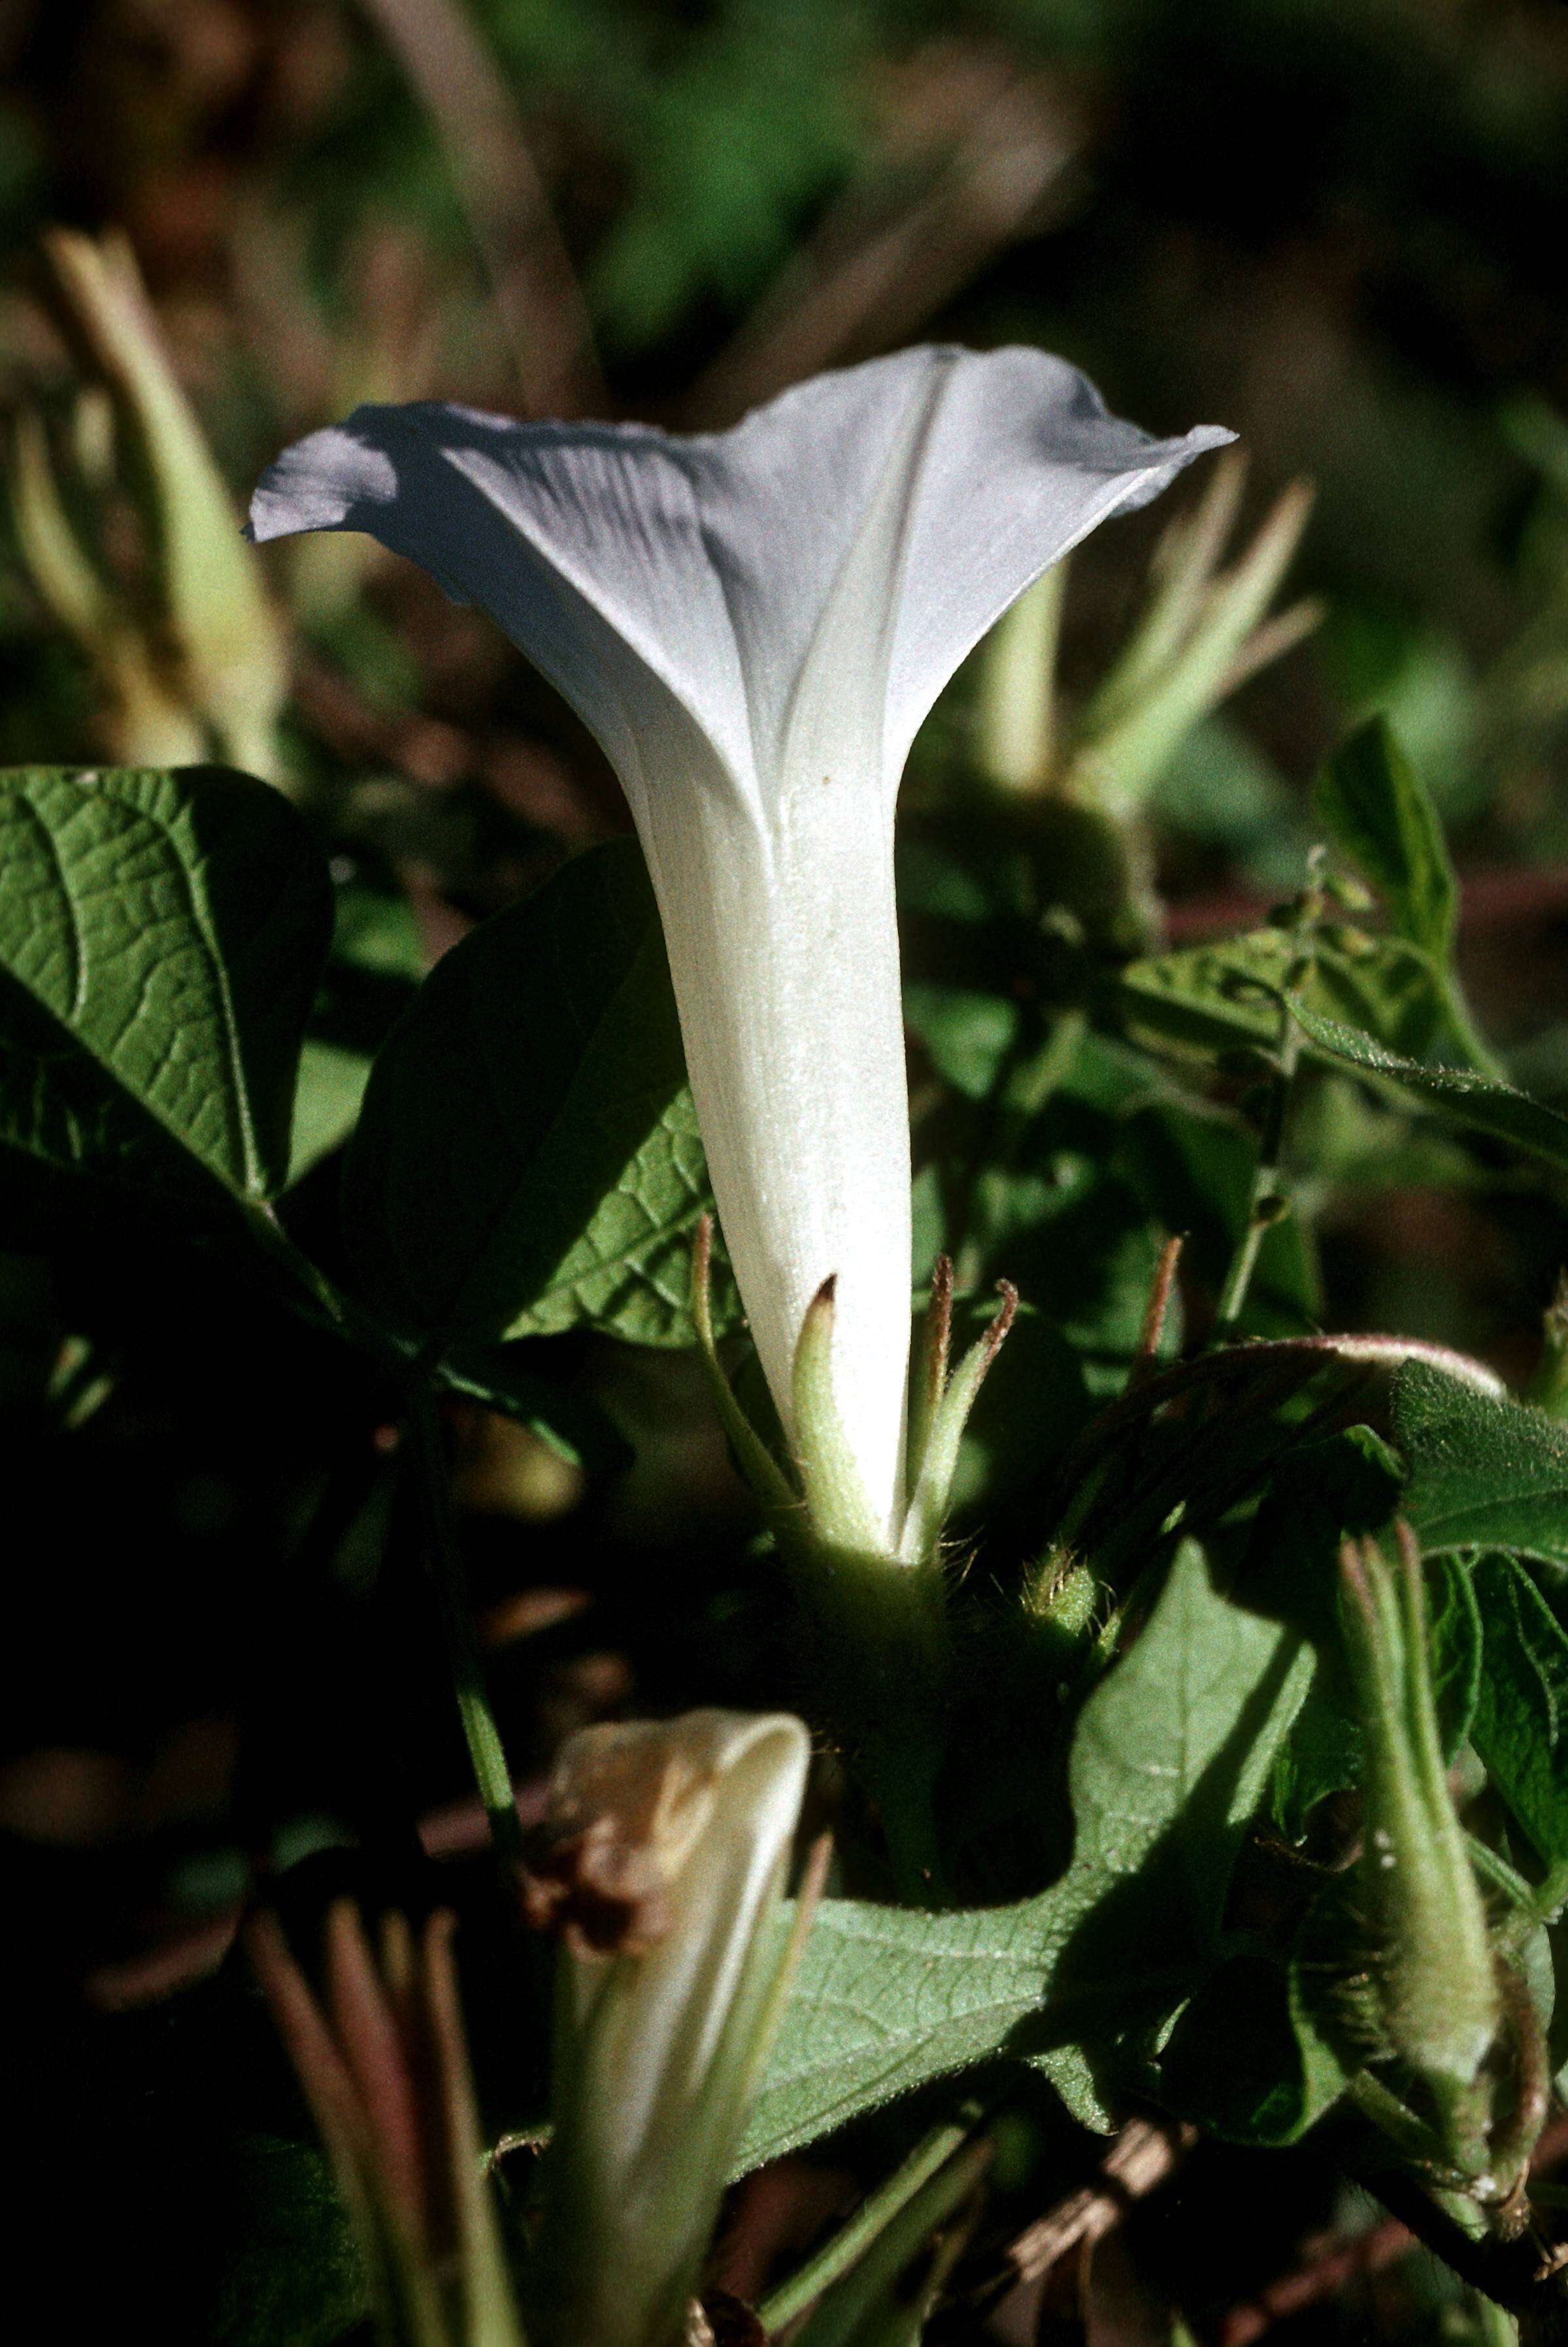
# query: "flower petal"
[582,542]
[671,590]
[769,589]
[784,954]
[1020,462]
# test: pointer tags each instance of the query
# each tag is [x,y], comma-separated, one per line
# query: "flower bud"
[1439,1981]
[228,648]
[661,1864]
[141,719]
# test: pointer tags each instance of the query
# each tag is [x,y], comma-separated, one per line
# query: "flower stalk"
[465,1663]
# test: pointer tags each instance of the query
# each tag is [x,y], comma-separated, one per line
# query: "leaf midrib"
[253,1185]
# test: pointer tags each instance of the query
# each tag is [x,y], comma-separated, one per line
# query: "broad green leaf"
[1479,1101]
[1381,816]
[1355,1139]
[968,925]
[1483,1473]
[527,1160]
[1521,1726]
[1169,1758]
[1220,997]
[1322,1754]
[327,1098]
[1032,1403]
[1327,1488]
[377,961]
[1245,2061]
[1039,1199]
[161,937]
[969,1036]
[1454,1628]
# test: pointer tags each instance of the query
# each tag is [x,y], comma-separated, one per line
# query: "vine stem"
[850,2243]
[311,1293]
[332,1309]
[487,1756]
[1517,2274]
[1268,1202]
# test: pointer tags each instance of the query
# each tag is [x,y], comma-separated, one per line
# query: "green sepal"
[938,1460]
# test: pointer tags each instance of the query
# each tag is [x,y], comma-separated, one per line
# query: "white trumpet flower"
[753,623]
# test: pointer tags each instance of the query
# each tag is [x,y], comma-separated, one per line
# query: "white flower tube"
[753,623]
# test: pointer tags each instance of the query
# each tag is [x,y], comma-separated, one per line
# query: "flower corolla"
[753,623]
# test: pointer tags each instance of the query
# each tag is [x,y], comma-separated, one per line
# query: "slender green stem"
[310,1292]
[1017,710]
[1396,2120]
[1467,1036]
[1268,1202]
[871,2219]
[1551,1893]
[489,1759]
[1509,2272]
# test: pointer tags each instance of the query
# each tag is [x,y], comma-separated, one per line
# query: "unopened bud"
[1439,1981]
[226,643]
[141,718]
[661,1862]
[1059,1603]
